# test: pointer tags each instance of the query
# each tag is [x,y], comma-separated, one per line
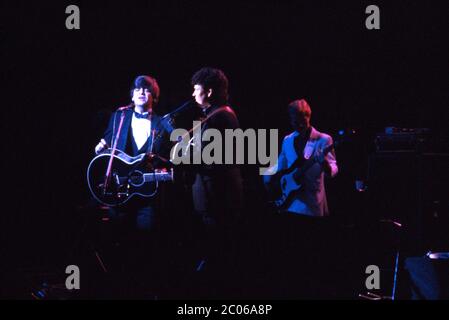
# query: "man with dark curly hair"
[217,188]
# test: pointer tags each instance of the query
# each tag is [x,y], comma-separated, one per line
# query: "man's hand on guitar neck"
[152,157]
[320,157]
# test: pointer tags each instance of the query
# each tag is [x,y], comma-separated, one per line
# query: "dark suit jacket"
[161,144]
[217,188]
[221,120]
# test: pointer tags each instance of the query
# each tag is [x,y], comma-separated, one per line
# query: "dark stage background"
[59,85]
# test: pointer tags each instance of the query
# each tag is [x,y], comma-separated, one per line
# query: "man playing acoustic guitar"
[136,130]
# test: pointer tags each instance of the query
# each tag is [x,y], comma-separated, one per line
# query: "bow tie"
[141,115]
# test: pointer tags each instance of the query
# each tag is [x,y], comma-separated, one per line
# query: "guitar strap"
[203,120]
[299,143]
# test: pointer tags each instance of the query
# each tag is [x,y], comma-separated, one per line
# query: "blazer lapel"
[121,143]
[311,144]
[151,143]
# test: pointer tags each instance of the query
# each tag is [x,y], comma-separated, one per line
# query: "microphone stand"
[114,148]
[178,110]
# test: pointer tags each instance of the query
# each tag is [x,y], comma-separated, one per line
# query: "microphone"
[178,110]
[130,106]
[168,120]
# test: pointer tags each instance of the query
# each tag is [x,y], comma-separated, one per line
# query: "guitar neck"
[158,176]
[309,162]
[328,148]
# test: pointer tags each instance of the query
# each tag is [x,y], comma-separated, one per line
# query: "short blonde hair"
[300,106]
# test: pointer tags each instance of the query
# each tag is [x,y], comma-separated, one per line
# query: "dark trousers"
[217,203]
[303,256]
[136,234]
[137,215]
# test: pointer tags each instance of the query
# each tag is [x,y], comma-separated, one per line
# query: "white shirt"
[141,130]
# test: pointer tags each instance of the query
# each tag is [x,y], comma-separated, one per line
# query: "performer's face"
[141,97]
[201,96]
[299,120]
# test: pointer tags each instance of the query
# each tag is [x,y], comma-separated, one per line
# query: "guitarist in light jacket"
[308,143]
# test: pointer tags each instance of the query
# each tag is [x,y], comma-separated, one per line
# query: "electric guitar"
[290,179]
[128,176]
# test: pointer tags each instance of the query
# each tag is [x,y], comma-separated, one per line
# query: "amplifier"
[402,139]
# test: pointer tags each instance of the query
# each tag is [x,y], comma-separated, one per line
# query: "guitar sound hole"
[136,178]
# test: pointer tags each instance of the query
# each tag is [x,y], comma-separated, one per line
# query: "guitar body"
[288,183]
[290,180]
[128,177]
[289,186]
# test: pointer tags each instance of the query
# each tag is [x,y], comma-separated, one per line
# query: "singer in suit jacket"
[137,223]
[217,188]
[142,132]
